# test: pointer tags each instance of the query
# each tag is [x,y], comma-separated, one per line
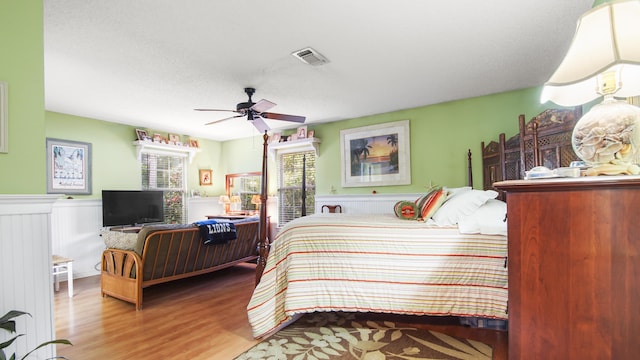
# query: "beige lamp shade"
[607,41]
[235,199]
[224,199]
[255,199]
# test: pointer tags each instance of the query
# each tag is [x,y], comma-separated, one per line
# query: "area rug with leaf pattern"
[354,336]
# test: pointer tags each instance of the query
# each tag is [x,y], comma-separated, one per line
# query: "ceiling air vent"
[310,56]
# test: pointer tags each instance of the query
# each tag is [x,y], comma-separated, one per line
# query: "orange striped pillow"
[428,204]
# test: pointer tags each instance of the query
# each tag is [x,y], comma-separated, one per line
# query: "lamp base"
[607,138]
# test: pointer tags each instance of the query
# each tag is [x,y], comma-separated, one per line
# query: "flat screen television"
[132,207]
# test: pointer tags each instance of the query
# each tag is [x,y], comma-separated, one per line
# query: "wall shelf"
[310,144]
[166,149]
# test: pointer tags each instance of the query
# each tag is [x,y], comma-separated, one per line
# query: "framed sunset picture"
[376,155]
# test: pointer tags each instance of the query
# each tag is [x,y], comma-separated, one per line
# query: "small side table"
[63,265]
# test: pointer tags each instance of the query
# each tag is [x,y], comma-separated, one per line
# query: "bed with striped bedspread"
[378,263]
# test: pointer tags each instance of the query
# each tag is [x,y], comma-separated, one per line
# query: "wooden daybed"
[166,253]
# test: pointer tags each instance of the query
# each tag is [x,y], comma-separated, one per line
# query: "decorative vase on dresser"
[574,267]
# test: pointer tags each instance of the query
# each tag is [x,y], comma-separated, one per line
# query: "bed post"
[263,245]
[469,169]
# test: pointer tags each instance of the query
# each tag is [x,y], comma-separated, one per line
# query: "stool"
[63,265]
[332,208]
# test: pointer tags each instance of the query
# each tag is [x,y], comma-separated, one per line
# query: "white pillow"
[489,219]
[451,192]
[462,204]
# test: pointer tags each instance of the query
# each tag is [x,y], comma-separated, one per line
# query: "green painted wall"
[114,159]
[22,67]
[440,137]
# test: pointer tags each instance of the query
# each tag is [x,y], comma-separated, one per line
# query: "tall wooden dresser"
[574,267]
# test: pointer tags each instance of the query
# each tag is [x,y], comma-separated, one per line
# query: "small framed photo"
[301,132]
[142,135]
[311,134]
[194,143]
[174,138]
[158,138]
[205,177]
[275,138]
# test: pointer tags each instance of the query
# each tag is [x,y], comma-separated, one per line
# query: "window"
[290,169]
[166,173]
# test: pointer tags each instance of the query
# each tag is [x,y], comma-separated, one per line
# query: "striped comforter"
[378,263]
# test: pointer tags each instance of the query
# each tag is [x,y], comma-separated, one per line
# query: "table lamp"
[255,199]
[603,61]
[224,199]
[235,203]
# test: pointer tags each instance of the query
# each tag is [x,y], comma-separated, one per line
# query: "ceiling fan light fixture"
[310,56]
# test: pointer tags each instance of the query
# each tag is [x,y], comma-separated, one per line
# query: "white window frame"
[177,154]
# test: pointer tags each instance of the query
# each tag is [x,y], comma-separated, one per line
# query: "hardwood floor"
[199,318]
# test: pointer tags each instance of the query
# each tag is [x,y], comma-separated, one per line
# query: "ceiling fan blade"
[225,119]
[285,117]
[235,111]
[262,105]
[260,124]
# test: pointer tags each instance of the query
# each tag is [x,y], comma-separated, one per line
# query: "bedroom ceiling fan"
[256,112]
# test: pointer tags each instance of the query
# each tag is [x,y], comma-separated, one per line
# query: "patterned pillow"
[119,239]
[406,210]
[428,204]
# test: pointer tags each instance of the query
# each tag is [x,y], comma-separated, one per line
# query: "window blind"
[166,173]
[290,169]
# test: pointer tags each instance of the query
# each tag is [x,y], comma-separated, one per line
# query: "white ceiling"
[149,63]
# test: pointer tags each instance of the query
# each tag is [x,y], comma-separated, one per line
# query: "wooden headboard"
[545,140]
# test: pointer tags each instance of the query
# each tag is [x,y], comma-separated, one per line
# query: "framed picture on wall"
[4,118]
[68,167]
[205,177]
[376,155]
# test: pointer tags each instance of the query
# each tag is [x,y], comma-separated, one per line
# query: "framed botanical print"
[68,167]
[205,177]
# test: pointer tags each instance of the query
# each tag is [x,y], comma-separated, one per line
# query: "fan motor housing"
[243,106]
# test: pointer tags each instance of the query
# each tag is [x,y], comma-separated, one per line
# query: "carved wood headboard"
[545,140]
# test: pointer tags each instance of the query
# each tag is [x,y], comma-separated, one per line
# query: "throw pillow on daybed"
[489,219]
[119,239]
[461,204]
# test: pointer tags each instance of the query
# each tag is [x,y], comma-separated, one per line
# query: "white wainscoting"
[25,269]
[75,234]
[363,204]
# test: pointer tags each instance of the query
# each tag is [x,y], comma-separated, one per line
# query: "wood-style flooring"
[199,318]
